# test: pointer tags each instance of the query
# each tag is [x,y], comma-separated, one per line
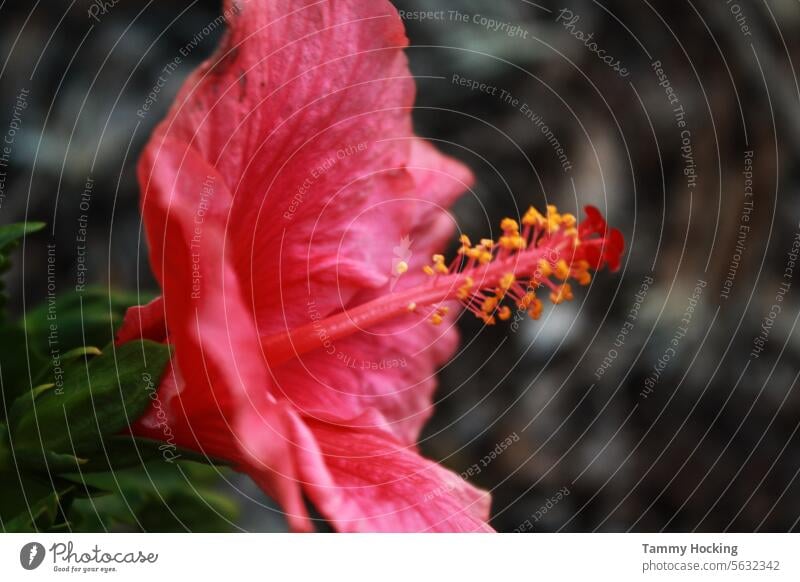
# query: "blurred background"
[665,397]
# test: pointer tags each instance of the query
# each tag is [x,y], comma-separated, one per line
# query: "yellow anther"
[401,268]
[526,300]
[506,281]
[562,270]
[465,244]
[438,264]
[485,294]
[489,304]
[581,273]
[481,253]
[438,315]
[583,278]
[535,310]
[564,293]
[533,218]
[466,289]
[553,218]
[512,242]
[509,226]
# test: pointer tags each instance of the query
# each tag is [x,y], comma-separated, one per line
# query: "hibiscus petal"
[304,110]
[143,322]
[368,481]
[361,479]
[217,379]
[270,438]
[216,344]
[392,367]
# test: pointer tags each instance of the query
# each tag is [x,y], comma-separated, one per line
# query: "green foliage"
[125,451]
[31,503]
[36,349]
[97,398]
[66,460]
[13,349]
[15,361]
[159,496]
[10,235]
[87,318]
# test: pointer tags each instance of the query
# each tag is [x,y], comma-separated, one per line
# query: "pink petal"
[361,479]
[270,439]
[390,368]
[216,344]
[368,481]
[304,110]
[143,322]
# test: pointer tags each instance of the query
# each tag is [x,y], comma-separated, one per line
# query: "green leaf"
[97,398]
[48,461]
[6,458]
[14,361]
[13,353]
[77,353]
[88,318]
[21,405]
[31,503]
[54,369]
[199,511]
[11,233]
[126,451]
[161,497]
[56,332]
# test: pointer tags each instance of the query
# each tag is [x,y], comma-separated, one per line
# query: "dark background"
[715,445]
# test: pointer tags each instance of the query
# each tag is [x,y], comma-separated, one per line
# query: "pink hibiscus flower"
[275,196]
